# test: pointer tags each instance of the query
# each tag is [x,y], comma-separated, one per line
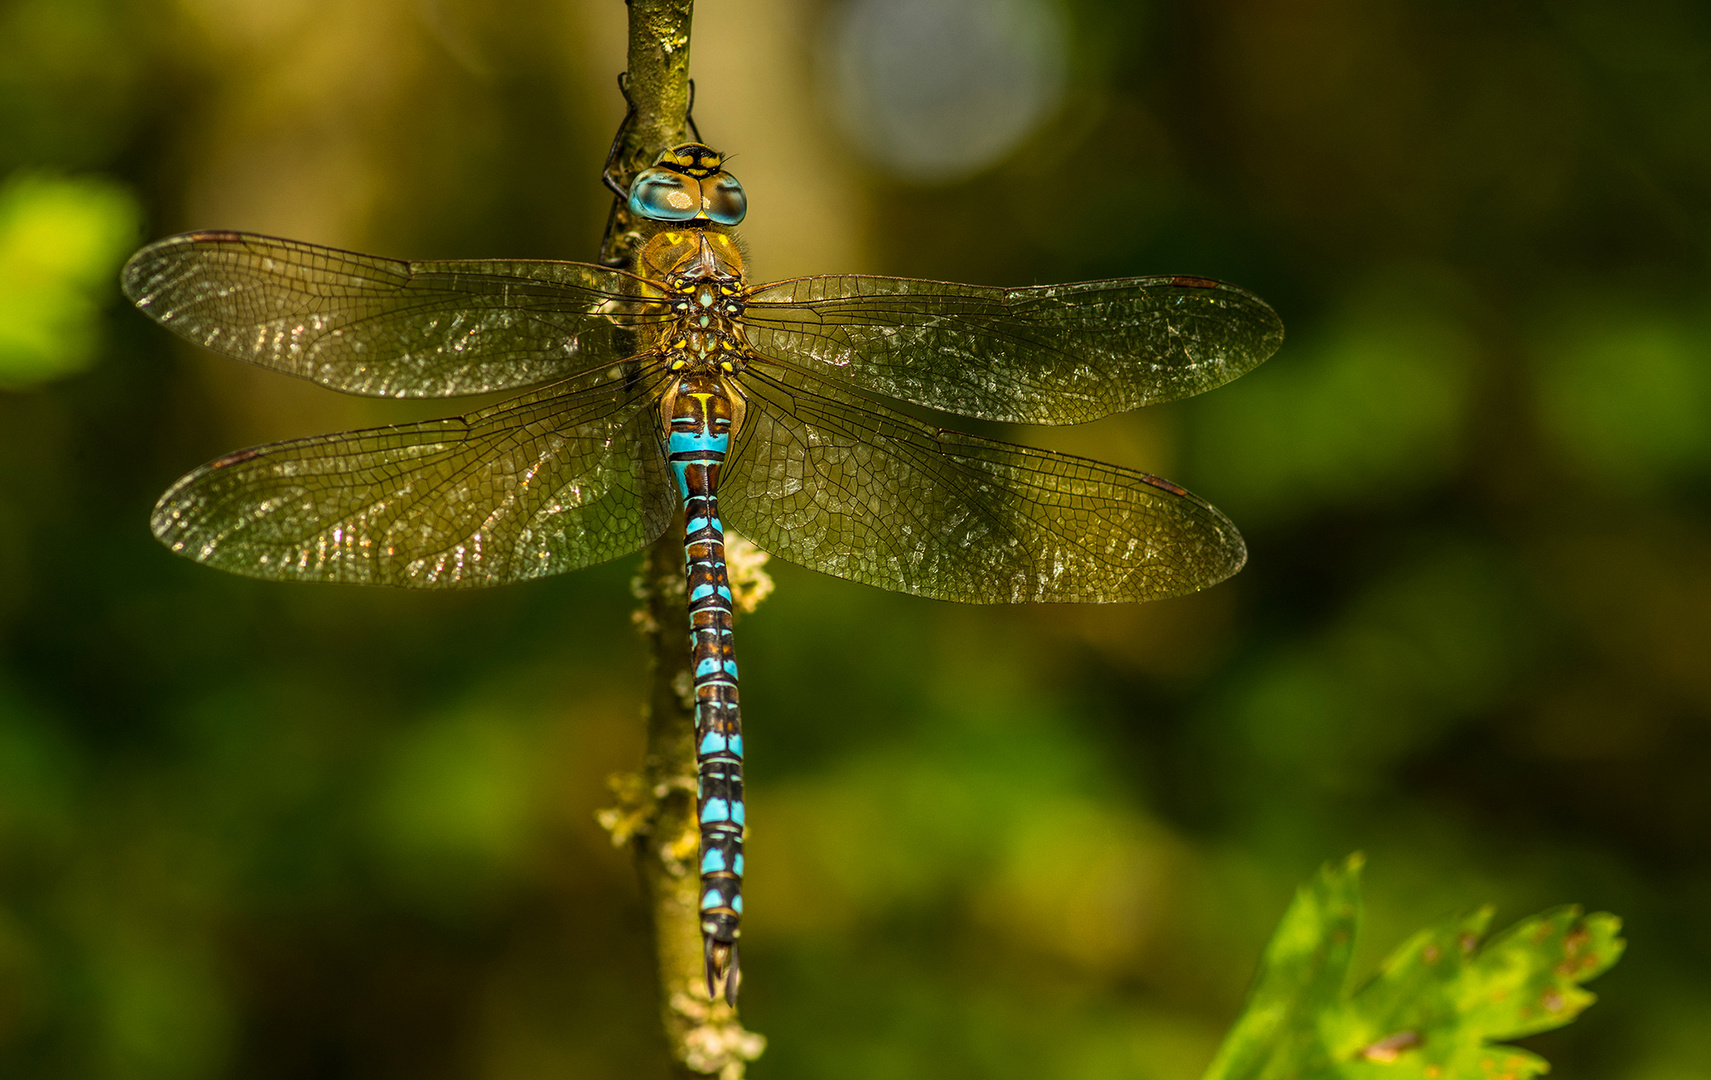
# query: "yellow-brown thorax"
[701,272]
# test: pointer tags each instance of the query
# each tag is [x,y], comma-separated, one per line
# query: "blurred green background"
[255,830]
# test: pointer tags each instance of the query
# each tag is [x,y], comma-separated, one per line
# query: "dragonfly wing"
[1051,354]
[382,327]
[549,481]
[851,489]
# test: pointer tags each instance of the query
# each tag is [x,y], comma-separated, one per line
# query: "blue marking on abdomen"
[688,442]
[722,817]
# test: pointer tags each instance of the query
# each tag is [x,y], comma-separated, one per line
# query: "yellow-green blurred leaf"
[61,242]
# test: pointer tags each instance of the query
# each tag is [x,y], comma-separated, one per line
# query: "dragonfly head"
[689,183]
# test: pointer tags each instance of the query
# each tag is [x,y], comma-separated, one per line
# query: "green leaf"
[1437,1007]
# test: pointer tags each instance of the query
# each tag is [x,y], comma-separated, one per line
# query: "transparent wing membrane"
[382,327]
[849,488]
[553,480]
[572,473]
[1052,354]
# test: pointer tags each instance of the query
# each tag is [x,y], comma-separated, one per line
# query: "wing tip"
[141,269]
[134,275]
[1272,339]
[1213,530]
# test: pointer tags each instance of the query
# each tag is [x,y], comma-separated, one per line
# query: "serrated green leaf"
[1301,980]
[1435,1009]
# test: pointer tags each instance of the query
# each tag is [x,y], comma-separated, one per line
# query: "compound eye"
[723,199]
[663,195]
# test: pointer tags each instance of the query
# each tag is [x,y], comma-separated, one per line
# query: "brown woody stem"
[656,811]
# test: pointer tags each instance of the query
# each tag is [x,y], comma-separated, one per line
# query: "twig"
[655,815]
[658,89]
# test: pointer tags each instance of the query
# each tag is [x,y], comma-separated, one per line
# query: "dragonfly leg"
[689,113]
[609,174]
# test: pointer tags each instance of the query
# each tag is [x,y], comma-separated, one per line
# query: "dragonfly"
[674,393]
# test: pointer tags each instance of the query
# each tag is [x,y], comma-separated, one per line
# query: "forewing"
[382,327]
[1051,354]
[848,488]
[546,482]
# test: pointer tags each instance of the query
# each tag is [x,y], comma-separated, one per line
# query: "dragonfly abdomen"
[699,423]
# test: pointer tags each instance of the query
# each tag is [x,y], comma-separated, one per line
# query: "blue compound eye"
[664,195]
[723,199]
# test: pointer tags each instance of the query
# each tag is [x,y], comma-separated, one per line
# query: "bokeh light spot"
[937,90]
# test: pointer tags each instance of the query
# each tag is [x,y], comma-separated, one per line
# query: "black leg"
[618,139]
[608,174]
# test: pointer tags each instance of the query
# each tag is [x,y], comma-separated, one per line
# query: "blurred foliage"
[1625,392]
[263,831]
[1368,413]
[1433,1009]
[61,241]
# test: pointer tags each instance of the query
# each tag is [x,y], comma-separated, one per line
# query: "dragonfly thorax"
[704,299]
[716,345]
[700,276]
[706,331]
[677,255]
